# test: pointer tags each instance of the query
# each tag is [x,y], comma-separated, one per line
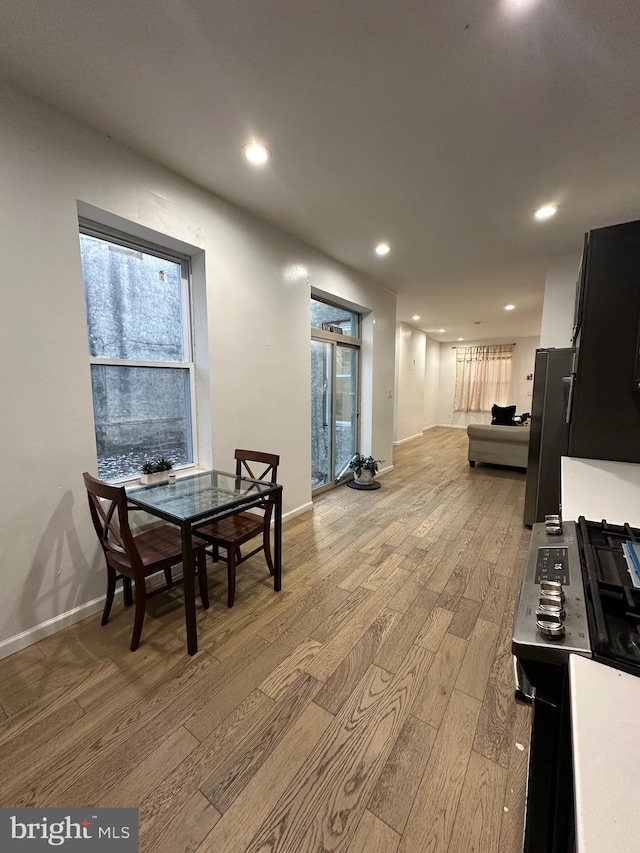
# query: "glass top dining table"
[197,498]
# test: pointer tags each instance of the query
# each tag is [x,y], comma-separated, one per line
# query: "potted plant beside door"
[364,468]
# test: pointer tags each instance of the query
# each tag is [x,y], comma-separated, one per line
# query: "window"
[140,351]
[332,318]
[483,377]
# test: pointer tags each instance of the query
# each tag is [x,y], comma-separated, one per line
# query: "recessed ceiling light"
[441,330]
[509,307]
[256,153]
[546,212]
[416,317]
[522,3]
[460,339]
[383,249]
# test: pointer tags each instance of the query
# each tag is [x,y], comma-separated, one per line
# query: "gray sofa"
[501,445]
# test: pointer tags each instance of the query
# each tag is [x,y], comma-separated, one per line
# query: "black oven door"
[549,817]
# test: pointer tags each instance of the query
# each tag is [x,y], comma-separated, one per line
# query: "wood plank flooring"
[367,708]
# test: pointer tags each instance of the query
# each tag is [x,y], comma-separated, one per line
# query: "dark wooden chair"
[235,530]
[135,558]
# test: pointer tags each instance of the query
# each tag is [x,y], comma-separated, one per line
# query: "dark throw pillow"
[503,415]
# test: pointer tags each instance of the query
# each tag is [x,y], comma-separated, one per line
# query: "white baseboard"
[453,426]
[431,426]
[51,626]
[298,511]
[404,440]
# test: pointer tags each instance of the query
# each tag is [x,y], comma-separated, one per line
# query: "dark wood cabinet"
[605,408]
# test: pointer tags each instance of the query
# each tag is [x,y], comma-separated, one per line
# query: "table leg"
[189,590]
[277,574]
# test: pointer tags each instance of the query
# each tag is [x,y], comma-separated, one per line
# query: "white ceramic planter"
[154,479]
[365,478]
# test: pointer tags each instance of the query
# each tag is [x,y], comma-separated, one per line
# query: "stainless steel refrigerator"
[549,432]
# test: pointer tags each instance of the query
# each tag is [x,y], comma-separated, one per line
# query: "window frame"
[325,334]
[94,229]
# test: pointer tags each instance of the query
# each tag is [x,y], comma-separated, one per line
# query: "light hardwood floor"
[368,707]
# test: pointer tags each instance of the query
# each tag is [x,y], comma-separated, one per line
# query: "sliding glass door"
[345,418]
[322,433]
[334,392]
[334,410]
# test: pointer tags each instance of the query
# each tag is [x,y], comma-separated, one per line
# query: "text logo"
[103,830]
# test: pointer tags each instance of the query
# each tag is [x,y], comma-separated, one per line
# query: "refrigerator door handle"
[569,381]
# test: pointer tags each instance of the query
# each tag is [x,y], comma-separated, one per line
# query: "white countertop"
[599,489]
[605,730]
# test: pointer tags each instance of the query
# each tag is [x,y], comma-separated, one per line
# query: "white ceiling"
[437,126]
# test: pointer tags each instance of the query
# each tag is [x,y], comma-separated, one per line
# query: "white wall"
[432,384]
[256,337]
[417,382]
[523,363]
[410,382]
[559,301]
[524,359]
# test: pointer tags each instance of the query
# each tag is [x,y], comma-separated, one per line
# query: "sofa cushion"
[502,415]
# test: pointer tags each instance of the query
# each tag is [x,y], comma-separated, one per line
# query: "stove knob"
[552,604]
[552,587]
[553,525]
[550,623]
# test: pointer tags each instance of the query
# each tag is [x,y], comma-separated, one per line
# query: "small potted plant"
[364,468]
[156,471]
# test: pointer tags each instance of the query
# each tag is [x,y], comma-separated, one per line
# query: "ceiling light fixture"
[256,153]
[416,317]
[460,339]
[546,212]
[521,2]
[509,307]
[383,249]
[441,331]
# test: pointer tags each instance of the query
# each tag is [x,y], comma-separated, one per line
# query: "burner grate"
[613,605]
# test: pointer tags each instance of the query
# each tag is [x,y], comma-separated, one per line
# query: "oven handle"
[524,689]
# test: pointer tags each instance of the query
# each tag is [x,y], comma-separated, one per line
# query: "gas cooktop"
[578,596]
[613,603]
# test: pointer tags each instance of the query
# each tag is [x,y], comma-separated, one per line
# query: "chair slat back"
[111,522]
[258,466]
[248,460]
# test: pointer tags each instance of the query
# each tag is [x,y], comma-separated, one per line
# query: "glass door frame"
[334,339]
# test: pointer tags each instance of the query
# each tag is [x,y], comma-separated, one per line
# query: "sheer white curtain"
[483,377]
